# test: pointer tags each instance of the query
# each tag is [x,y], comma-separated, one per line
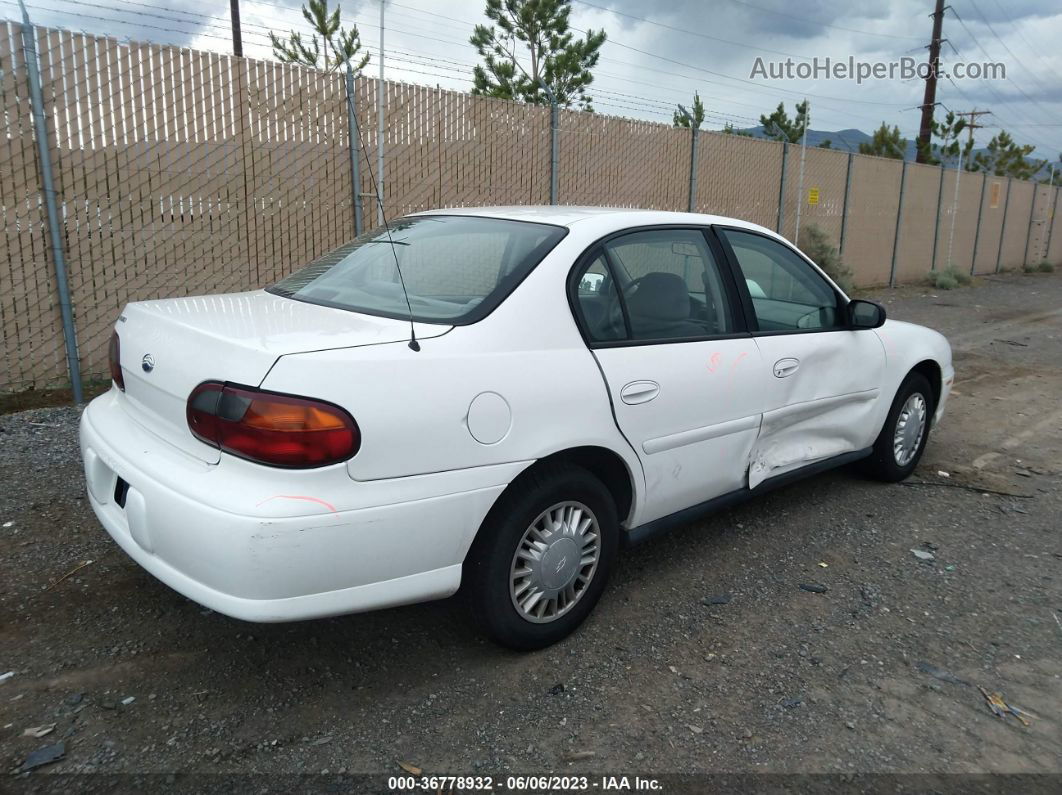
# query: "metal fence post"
[800,179]
[66,310]
[1028,231]
[1051,225]
[693,168]
[844,206]
[554,150]
[977,229]
[554,154]
[936,224]
[781,189]
[899,221]
[954,212]
[1003,228]
[354,134]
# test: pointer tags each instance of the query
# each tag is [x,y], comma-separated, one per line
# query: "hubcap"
[910,427]
[555,562]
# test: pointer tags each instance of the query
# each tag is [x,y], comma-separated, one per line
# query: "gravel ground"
[877,674]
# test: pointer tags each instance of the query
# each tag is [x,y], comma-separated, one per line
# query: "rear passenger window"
[656,285]
[670,285]
[598,306]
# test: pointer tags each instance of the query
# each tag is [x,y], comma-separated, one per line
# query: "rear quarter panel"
[413,407]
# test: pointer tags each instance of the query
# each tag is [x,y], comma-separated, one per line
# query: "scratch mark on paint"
[713,361]
[319,501]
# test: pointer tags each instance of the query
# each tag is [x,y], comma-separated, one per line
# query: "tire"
[886,462]
[492,580]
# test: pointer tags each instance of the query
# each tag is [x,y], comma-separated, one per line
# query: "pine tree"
[885,143]
[330,49]
[780,127]
[949,148]
[1005,158]
[698,114]
[531,42]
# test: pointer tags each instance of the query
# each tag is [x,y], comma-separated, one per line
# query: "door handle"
[786,367]
[639,392]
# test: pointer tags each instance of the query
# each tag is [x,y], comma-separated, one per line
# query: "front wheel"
[541,558]
[903,438]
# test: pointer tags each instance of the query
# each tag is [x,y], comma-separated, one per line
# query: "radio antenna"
[413,344]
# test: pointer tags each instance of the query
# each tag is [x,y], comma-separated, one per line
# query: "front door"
[686,379]
[822,379]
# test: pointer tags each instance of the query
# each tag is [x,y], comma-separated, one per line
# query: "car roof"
[617,217]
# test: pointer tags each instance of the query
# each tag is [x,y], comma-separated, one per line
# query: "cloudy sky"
[658,54]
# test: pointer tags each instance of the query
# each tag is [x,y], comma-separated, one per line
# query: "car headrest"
[660,296]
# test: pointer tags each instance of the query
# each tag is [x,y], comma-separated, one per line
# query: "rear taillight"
[114,356]
[269,428]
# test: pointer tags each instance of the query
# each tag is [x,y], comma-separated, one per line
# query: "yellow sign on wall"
[813,195]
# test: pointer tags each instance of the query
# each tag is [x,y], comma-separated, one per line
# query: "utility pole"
[803,155]
[971,125]
[380,126]
[692,201]
[237,36]
[929,99]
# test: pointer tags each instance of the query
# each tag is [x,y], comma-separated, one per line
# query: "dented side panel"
[822,396]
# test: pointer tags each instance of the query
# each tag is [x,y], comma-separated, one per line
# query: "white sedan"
[580,379]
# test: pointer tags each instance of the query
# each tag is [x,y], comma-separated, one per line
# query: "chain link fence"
[178,172]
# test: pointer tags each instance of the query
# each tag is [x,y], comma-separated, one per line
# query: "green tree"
[1053,177]
[698,113]
[947,132]
[885,143]
[730,129]
[1003,157]
[781,128]
[331,48]
[827,144]
[531,42]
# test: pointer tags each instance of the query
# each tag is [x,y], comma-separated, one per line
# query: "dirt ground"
[879,674]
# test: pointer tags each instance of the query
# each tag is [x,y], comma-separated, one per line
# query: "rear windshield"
[457,269]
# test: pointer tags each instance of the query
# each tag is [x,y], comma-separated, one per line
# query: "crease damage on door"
[795,435]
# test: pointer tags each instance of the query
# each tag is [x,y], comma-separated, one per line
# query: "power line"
[1005,47]
[988,57]
[698,34]
[763,10]
[988,86]
[430,62]
[1034,50]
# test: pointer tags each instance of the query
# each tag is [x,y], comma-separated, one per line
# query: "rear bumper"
[261,567]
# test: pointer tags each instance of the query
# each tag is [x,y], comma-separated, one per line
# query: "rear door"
[822,379]
[665,324]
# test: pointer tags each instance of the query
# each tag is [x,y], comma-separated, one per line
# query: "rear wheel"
[903,438]
[541,558]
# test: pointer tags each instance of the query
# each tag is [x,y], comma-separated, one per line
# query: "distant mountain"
[850,139]
[841,140]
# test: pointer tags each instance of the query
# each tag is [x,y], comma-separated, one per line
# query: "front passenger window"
[787,293]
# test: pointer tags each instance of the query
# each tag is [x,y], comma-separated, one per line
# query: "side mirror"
[865,314]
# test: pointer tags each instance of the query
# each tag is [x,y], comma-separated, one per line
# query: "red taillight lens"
[114,356]
[274,429]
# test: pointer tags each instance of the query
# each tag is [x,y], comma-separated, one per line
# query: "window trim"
[739,312]
[753,324]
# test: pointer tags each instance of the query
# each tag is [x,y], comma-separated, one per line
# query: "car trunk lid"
[170,346]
